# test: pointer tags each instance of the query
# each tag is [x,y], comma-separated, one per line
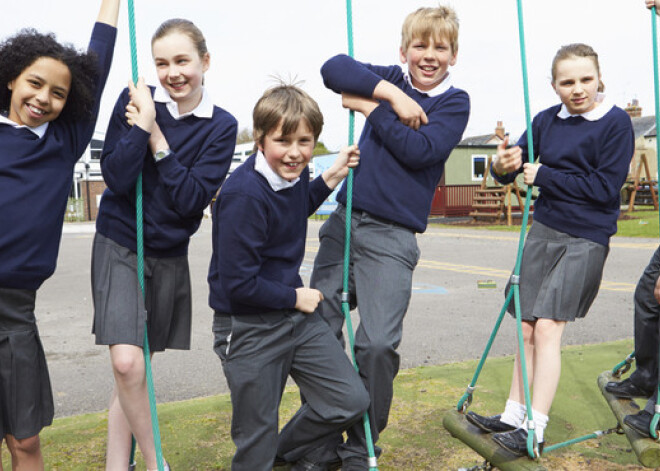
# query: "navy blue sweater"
[259,241]
[584,166]
[175,190]
[35,181]
[400,168]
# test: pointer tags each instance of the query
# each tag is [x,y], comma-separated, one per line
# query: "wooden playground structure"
[642,189]
[493,202]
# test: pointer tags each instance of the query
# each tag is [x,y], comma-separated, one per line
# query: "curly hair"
[21,50]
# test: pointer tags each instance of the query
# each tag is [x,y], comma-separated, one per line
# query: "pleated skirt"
[559,276]
[26,396]
[120,310]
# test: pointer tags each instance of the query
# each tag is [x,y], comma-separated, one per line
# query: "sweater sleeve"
[603,183]
[191,189]
[342,73]
[102,45]
[241,239]
[431,143]
[318,192]
[123,151]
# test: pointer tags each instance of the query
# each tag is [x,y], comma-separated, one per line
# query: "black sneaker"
[491,424]
[305,465]
[626,389]
[515,441]
[640,422]
[355,463]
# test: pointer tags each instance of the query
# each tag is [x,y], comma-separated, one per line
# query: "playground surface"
[449,319]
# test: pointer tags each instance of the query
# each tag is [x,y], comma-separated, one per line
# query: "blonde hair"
[289,105]
[438,22]
[576,50]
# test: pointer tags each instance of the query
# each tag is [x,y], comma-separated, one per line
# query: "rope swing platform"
[456,424]
[647,450]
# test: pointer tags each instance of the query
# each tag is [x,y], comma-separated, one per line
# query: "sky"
[253,42]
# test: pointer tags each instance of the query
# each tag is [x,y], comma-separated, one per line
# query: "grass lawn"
[638,224]
[196,433]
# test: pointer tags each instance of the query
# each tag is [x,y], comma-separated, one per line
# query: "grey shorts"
[26,397]
[559,276]
[119,307]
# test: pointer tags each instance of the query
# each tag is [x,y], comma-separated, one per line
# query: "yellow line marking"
[490,236]
[493,272]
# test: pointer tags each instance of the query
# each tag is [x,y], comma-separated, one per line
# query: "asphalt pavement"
[449,319]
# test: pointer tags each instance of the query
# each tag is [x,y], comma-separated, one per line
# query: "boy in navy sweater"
[414,118]
[259,231]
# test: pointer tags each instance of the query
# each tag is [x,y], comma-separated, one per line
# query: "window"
[478,167]
[95,147]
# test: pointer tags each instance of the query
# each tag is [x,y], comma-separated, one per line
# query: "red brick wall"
[96,188]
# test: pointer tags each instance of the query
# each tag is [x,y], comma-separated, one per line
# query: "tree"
[320,149]
[244,135]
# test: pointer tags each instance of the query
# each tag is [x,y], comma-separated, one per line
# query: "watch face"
[161,154]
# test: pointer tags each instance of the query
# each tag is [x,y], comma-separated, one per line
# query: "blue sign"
[321,164]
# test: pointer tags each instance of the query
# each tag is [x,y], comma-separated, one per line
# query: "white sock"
[540,423]
[166,467]
[514,413]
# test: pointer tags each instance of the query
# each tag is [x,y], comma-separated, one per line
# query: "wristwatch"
[161,154]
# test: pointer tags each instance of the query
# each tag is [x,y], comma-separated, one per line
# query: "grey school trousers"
[647,327]
[383,257]
[261,352]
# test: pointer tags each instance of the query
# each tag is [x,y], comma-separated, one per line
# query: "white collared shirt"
[594,115]
[39,130]
[276,182]
[441,88]
[203,110]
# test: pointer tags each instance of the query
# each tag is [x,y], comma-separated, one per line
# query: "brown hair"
[576,50]
[182,26]
[289,105]
[439,22]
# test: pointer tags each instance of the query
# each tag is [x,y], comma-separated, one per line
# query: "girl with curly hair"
[49,101]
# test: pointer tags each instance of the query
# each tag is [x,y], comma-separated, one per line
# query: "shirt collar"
[276,182]
[203,110]
[441,88]
[594,115]
[39,130]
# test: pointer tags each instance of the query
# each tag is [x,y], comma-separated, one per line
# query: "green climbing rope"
[140,266]
[514,291]
[373,465]
[532,446]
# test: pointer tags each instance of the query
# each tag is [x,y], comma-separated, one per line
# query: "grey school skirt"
[119,308]
[26,397]
[559,276]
